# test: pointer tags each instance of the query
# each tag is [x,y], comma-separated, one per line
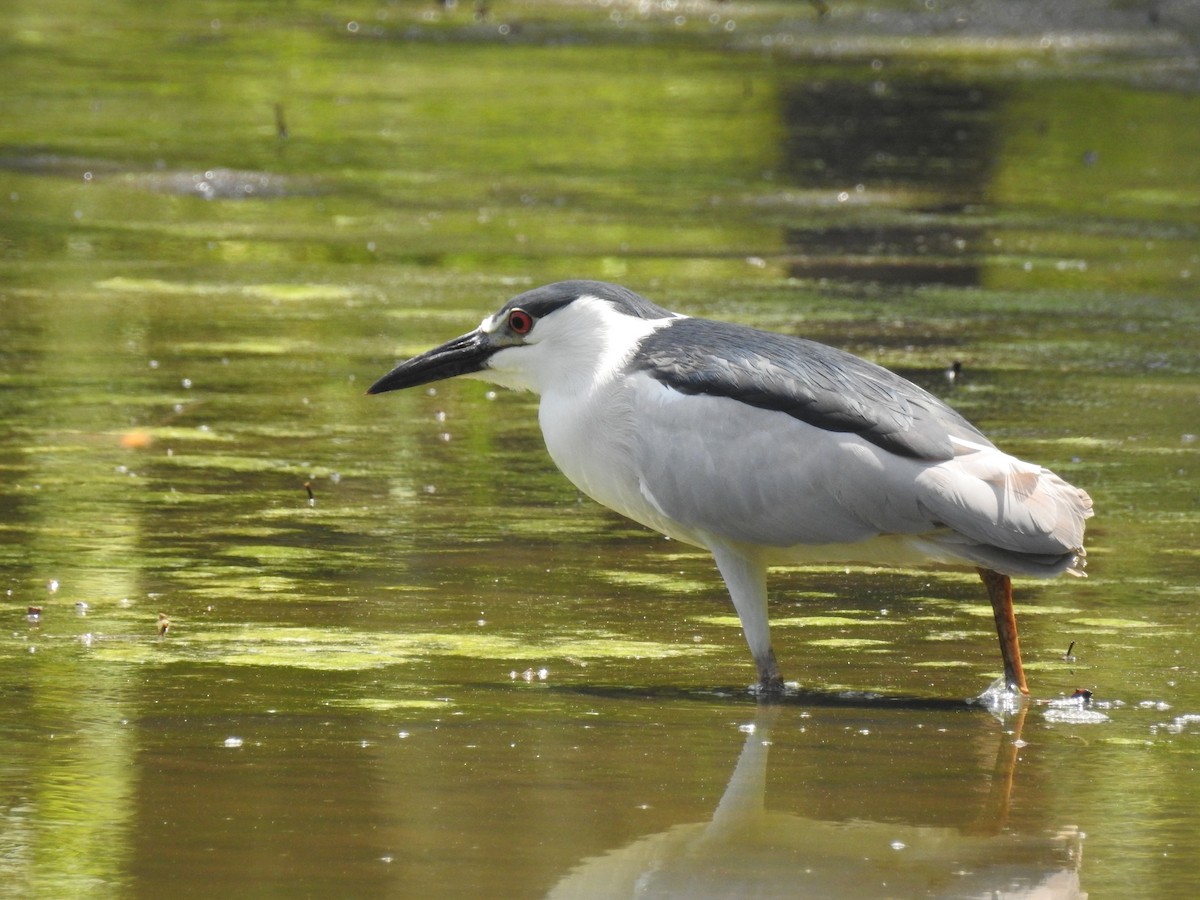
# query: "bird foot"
[771,688]
[1002,697]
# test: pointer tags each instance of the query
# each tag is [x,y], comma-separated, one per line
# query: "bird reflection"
[747,850]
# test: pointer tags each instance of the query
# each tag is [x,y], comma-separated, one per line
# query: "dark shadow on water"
[805,697]
[932,143]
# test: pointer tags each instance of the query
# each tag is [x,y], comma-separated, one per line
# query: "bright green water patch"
[381,704]
[901,182]
[849,643]
[1114,624]
[341,650]
[656,581]
[1027,609]
[234,463]
[799,621]
[955,636]
[944,664]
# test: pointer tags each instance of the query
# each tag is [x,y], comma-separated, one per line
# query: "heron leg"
[747,583]
[999,588]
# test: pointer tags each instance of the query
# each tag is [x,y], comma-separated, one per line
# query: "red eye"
[520,321]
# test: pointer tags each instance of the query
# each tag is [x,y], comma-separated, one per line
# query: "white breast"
[593,443]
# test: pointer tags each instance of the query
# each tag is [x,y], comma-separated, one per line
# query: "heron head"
[550,336]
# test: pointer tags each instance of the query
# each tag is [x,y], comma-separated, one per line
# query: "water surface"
[448,674]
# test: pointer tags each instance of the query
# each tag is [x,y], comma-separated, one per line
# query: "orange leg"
[999,588]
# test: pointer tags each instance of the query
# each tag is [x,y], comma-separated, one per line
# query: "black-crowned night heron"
[765,449]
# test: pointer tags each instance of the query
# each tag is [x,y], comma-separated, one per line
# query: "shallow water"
[447,674]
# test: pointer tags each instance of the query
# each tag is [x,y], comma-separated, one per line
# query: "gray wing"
[820,385]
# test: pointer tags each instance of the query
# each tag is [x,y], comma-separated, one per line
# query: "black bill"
[460,356]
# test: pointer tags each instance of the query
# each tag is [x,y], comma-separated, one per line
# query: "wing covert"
[821,385]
